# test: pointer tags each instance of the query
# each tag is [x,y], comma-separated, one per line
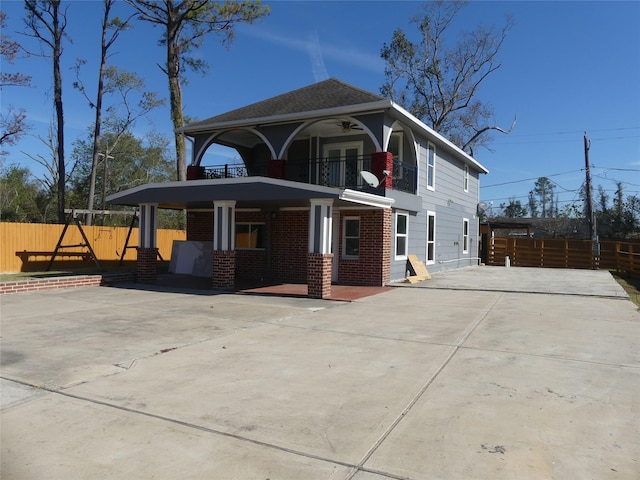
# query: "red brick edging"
[71,281]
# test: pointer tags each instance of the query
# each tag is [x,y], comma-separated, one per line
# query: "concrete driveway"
[481,373]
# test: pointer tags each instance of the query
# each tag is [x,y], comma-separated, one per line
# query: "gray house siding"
[451,205]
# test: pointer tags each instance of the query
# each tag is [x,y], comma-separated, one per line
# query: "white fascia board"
[429,131]
[364,198]
[290,117]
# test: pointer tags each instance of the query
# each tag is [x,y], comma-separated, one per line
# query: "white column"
[224,225]
[320,225]
[147,231]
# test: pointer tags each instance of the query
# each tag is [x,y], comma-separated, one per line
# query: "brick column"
[381,161]
[320,257]
[147,265]
[319,275]
[224,255]
[277,169]
[224,269]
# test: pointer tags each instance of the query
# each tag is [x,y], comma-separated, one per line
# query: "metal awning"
[248,192]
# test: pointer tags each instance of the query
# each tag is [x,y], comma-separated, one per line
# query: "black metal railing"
[342,172]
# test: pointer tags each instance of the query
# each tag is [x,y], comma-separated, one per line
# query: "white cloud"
[344,54]
[317,62]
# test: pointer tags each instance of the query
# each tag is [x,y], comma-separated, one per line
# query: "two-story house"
[337,185]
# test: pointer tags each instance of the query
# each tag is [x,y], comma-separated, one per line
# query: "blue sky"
[567,68]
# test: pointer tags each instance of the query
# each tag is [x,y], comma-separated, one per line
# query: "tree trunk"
[98,124]
[175,98]
[57,89]
[178,122]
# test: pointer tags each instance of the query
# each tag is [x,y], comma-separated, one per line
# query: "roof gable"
[331,93]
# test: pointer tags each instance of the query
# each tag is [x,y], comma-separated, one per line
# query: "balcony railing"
[343,172]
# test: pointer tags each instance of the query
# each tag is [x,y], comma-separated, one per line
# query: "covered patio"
[296,219]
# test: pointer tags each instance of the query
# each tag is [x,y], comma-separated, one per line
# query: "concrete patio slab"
[498,415]
[590,329]
[328,395]
[438,317]
[414,383]
[118,444]
[526,280]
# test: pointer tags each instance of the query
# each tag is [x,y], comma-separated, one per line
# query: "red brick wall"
[373,267]
[290,245]
[64,282]
[200,226]
[251,264]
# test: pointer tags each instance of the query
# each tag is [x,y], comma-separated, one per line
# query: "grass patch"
[630,284]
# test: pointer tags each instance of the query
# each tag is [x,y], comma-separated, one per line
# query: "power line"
[571,132]
[532,178]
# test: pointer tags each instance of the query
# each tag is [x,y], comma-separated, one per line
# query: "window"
[351,238]
[465,235]
[431,167]
[431,238]
[249,235]
[465,181]
[402,235]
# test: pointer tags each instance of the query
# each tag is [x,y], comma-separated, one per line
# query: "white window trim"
[426,253]
[435,161]
[465,237]
[250,224]
[344,237]
[405,235]
[465,180]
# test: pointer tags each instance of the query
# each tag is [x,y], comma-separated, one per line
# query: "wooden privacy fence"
[565,253]
[107,243]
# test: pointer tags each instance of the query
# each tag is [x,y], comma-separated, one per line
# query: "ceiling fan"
[347,126]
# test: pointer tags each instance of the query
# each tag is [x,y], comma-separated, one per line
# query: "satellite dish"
[370,178]
[482,207]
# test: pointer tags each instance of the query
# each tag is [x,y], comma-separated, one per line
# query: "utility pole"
[106,157]
[590,213]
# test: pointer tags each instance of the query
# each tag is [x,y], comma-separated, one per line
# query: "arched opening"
[234,153]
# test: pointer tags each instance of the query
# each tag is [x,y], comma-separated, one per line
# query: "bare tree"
[49,180]
[185,24]
[47,22]
[12,120]
[437,80]
[111,29]
[131,103]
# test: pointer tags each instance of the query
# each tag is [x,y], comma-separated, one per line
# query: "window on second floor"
[465,180]
[431,166]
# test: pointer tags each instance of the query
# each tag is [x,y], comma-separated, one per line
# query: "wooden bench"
[25,255]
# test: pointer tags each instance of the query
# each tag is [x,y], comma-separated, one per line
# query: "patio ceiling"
[248,192]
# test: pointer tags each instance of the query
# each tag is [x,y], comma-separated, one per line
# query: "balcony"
[341,172]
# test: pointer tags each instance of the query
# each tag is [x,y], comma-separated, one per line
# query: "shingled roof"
[331,93]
